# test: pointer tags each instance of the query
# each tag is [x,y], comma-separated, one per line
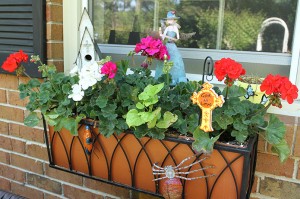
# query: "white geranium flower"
[86,80]
[89,75]
[96,70]
[77,93]
[74,70]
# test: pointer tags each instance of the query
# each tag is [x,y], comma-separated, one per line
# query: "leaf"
[52,115]
[156,133]
[203,143]
[149,93]
[168,120]
[234,91]
[66,88]
[70,123]
[282,149]
[101,101]
[223,120]
[275,131]
[44,97]
[240,136]
[31,120]
[139,105]
[34,83]
[193,122]
[133,118]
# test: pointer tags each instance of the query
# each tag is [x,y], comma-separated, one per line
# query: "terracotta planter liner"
[126,161]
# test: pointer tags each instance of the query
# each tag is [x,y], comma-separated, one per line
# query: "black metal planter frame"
[248,153]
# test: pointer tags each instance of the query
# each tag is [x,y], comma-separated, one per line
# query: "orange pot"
[124,159]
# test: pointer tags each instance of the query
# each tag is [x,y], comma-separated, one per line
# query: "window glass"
[217,24]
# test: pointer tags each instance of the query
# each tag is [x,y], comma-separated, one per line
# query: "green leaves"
[149,95]
[275,130]
[31,120]
[203,142]
[69,123]
[145,115]
[167,120]
[133,118]
[282,149]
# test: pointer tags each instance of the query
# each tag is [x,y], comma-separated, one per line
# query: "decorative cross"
[207,99]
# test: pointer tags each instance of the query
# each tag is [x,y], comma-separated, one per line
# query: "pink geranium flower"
[110,69]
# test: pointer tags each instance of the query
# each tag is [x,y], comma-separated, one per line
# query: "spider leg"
[188,166]
[157,171]
[155,165]
[159,178]
[195,178]
[184,160]
[193,171]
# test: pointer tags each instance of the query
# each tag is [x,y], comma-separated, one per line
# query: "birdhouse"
[89,50]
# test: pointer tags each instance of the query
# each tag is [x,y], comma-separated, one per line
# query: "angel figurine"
[171,34]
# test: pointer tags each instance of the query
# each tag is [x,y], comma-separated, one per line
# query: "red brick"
[3,96]
[48,196]
[64,176]
[44,183]
[23,190]
[54,13]
[9,81]
[4,128]
[23,80]
[58,64]
[54,31]
[11,173]
[107,188]
[279,188]
[268,163]
[261,144]
[254,186]
[4,157]
[37,151]
[297,143]
[289,120]
[12,144]
[298,173]
[26,132]
[5,184]
[14,99]
[13,114]
[27,163]
[72,192]
[55,51]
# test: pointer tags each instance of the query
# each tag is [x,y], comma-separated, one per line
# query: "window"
[217,24]
[22,27]
[222,29]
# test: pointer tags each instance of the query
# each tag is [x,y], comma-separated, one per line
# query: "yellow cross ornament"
[207,99]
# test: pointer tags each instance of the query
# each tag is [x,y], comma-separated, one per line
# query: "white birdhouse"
[89,51]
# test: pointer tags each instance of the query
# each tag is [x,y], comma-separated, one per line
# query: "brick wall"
[24,168]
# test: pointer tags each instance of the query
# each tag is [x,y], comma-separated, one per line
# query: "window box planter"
[127,161]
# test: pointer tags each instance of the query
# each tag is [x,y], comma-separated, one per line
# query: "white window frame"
[71,47]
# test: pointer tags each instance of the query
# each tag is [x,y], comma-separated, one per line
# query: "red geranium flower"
[288,91]
[10,64]
[229,69]
[279,87]
[14,60]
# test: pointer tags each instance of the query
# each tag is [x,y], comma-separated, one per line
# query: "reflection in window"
[219,24]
